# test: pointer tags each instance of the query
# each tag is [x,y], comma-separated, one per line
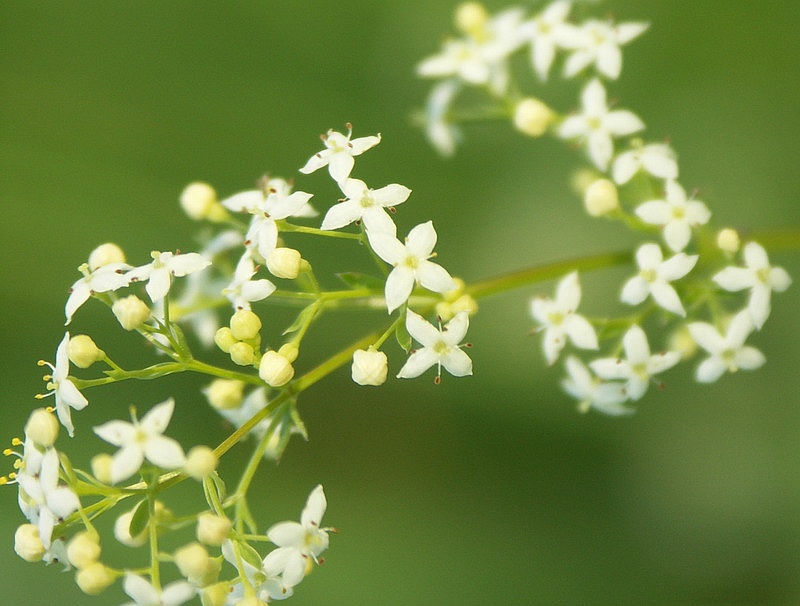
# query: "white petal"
[707,337]
[399,284]
[377,220]
[636,347]
[257,290]
[159,283]
[749,358]
[710,369]
[362,144]
[601,149]
[581,332]
[421,240]
[654,212]
[157,418]
[456,329]
[391,195]
[735,278]
[677,266]
[422,330]
[434,277]
[164,452]
[759,304]
[660,162]
[573,126]
[116,432]
[609,61]
[625,167]
[417,363]
[62,501]
[387,247]
[755,257]
[457,363]
[663,361]
[79,295]
[181,265]
[176,593]
[140,590]
[666,297]
[126,462]
[341,214]
[779,279]
[340,165]
[739,329]
[246,201]
[622,122]
[635,291]
[610,368]
[553,343]
[316,161]
[69,394]
[568,292]
[315,508]
[677,235]
[648,256]
[628,31]
[287,534]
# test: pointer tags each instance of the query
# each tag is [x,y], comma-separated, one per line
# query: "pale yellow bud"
[245,325]
[105,254]
[275,369]
[131,312]
[192,560]
[197,200]
[42,427]
[601,198]
[471,18]
[532,117]
[216,595]
[290,351]
[213,529]
[681,341]
[242,354]
[28,544]
[284,263]
[224,394]
[83,351]
[447,310]
[94,578]
[728,240]
[200,461]
[370,367]
[83,549]
[122,531]
[224,339]
[101,467]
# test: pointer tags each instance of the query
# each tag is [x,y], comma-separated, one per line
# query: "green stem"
[288,227]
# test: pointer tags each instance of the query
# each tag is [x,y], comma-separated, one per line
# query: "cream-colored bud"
[200,461]
[242,354]
[245,325]
[197,200]
[601,197]
[105,254]
[122,531]
[275,369]
[532,117]
[213,529]
[447,310]
[370,367]
[290,351]
[83,549]
[83,351]
[101,467]
[216,595]
[28,544]
[42,427]
[681,341]
[728,240]
[131,312]
[284,263]
[192,560]
[94,578]
[471,18]
[582,178]
[224,394]
[224,339]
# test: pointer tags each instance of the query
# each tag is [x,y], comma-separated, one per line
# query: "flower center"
[649,275]
[678,212]
[763,275]
[555,318]
[640,370]
[411,261]
[366,200]
[441,348]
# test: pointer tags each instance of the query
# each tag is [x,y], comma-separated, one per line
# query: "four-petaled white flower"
[657,159]
[543,32]
[654,277]
[338,153]
[62,388]
[440,346]
[142,440]
[103,279]
[267,581]
[757,275]
[165,265]
[558,318]
[366,205]
[144,593]
[591,392]
[728,352]
[598,126]
[597,42]
[638,366]
[411,265]
[676,214]
[242,290]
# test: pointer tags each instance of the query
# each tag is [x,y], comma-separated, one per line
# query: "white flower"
[165,265]
[66,394]
[675,214]
[598,126]
[366,205]
[597,42]
[654,277]
[242,290]
[103,279]
[543,33]
[411,265]
[658,159]
[728,352]
[757,275]
[338,153]
[638,365]
[267,581]
[144,593]
[441,133]
[439,346]
[558,318]
[142,440]
[591,392]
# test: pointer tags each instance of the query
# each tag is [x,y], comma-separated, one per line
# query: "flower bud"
[131,312]
[290,351]
[244,325]
[224,339]
[447,310]
[105,254]
[284,263]
[28,544]
[42,427]
[200,461]
[471,18]
[601,198]
[94,578]
[370,367]
[122,531]
[213,529]
[101,467]
[242,354]
[197,200]
[83,549]
[216,595]
[224,394]
[275,369]
[532,117]
[682,342]
[728,240]
[192,560]
[83,351]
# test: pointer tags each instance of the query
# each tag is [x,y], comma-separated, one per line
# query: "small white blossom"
[654,278]
[105,278]
[242,290]
[638,366]
[142,440]
[543,32]
[675,214]
[440,346]
[559,320]
[144,593]
[597,42]
[268,582]
[366,205]
[411,265]
[339,152]
[62,388]
[657,159]
[165,265]
[757,275]
[598,126]
[591,392]
[728,352]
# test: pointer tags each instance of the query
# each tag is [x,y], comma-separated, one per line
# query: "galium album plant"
[695,297]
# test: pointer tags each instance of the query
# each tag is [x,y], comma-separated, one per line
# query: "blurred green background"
[486,490]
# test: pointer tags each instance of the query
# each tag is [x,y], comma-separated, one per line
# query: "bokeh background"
[487,490]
